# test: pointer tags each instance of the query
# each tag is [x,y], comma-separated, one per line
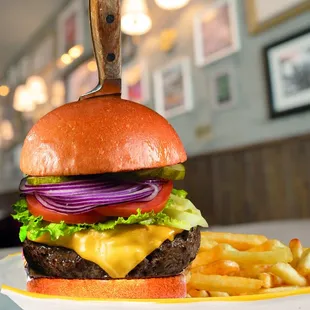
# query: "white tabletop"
[7,251]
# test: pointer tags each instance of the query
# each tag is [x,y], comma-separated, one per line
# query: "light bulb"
[135,17]
[76,51]
[37,89]
[4,90]
[171,4]
[22,100]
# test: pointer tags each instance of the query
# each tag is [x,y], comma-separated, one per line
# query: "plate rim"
[245,298]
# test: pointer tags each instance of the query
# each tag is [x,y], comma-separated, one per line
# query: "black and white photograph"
[288,74]
[295,71]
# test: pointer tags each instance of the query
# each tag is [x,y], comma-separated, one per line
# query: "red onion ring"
[84,195]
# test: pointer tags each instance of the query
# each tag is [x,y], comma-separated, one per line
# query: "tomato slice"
[37,209]
[129,208]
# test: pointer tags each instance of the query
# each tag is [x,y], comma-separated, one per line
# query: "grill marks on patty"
[171,258]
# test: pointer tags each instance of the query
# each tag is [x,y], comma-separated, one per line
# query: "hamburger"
[99,214]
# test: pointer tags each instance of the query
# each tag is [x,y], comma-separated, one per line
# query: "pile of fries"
[239,264]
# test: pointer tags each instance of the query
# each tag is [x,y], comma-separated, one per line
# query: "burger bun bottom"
[151,288]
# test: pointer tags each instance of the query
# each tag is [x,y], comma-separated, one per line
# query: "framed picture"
[222,88]
[70,26]
[135,82]
[81,80]
[216,32]
[264,14]
[287,64]
[173,88]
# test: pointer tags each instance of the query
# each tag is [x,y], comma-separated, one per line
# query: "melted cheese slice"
[116,251]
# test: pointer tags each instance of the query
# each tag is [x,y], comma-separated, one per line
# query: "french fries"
[253,271]
[207,244]
[266,257]
[296,249]
[231,285]
[268,245]
[197,293]
[219,267]
[303,265]
[226,251]
[238,241]
[239,264]
[288,274]
[267,279]
[218,294]
[278,289]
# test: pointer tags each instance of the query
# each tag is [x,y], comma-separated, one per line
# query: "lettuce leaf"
[179,212]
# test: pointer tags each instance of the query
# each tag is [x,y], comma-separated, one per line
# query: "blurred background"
[232,77]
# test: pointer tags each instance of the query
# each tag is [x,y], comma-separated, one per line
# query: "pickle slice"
[47,180]
[175,172]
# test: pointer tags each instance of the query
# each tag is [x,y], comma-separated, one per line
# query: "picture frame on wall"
[173,88]
[216,32]
[135,82]
[70,27]
[287,67]
[223,88]
[81,80]
[264,14]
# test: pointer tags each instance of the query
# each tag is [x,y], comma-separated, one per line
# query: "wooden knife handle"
[105,24]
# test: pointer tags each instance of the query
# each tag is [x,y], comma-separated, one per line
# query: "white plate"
[13,279]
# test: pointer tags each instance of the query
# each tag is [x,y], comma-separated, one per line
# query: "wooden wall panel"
[255,187]
[256,183]
[198,183]
[272,166]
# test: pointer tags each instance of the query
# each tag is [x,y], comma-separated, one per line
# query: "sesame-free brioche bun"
[152,288]
[100,135]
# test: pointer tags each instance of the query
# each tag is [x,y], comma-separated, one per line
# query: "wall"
[248,122]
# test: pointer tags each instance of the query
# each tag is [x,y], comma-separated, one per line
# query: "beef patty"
[171,258]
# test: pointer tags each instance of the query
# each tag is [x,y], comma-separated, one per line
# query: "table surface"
[281,230]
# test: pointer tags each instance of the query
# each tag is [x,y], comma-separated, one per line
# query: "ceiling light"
[171,4]
[76,51]
[6,130]
[135,17]
[58,93]
[92,66]
[22,100]
[37,89]
[66,59]
[4,90]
